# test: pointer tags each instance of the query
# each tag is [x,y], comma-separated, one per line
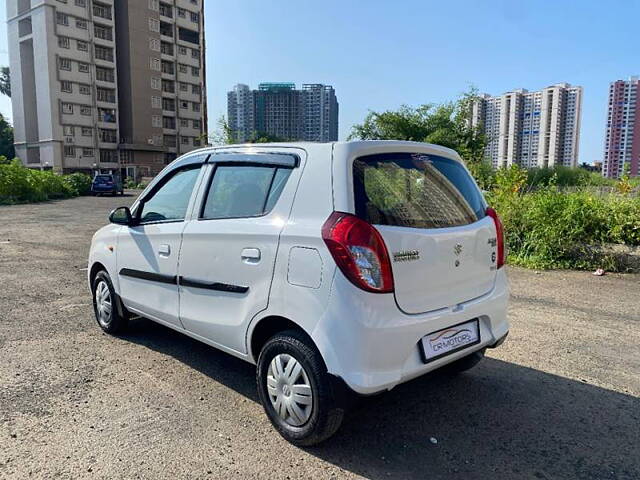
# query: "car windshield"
[103,178]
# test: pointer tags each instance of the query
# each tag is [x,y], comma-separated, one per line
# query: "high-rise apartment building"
[106,85]
[279,109]
[531,129]
[622,139]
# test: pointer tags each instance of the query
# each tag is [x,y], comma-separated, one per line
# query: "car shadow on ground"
[500,420]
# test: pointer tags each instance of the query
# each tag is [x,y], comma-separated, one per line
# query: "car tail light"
[500,236]
[359,251]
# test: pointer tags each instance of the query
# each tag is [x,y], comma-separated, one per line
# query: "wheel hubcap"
[103,304]
[289,390]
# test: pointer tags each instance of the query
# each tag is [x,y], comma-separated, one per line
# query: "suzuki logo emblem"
[457,249]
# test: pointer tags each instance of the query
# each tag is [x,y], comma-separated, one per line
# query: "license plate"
[449,340]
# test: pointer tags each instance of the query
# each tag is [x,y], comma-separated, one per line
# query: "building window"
[154,44]
[101,10]
[108,156]
[82,46]
[195,71]
[83,67]
[87,131]
[69,151]
[195,53]
[85,89]
[195,89]
[81,24]
[196,142]
[184,104]
[197,124]
[182,13]
[182,68]
[156,121]
[168,67]
[156,102]
[154,5]
[169,122]
[62,19]
[67,108]
[87,152]
[69,130]
[108,136]
[168,86]
[166,29]
[195,106]
[104,53]
[184,87]
[154,64]
[169,104]
[63,42]
[166,48]
[156,83]
[195,17]
[169,140]
[107,115]
[66,86]
[106,95]
[154,24]
[65,64]
[184,140]
[105,74]
[184,123]
[81,3]
[103,32]
[182,50]
[85,110]
[166,10]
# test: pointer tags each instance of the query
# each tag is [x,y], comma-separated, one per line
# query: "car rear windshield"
[415,190]
[103,178]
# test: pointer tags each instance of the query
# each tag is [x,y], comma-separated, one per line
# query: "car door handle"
[250,255]
[164,250]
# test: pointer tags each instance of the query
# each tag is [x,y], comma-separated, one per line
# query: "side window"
[238,191]
[170,202]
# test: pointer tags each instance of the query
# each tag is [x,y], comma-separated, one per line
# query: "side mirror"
[121,216]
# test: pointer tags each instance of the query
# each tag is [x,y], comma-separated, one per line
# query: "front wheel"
[105,305]
[296,391]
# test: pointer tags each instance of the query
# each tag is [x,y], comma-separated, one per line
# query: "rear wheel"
[297,393]
[105,305]
[465,363]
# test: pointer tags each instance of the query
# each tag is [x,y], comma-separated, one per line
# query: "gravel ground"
[560,399]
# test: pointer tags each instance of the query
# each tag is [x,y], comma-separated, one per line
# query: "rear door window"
[239,191]
[415,190]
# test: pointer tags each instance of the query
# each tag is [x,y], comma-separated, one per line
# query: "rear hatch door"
[432,218]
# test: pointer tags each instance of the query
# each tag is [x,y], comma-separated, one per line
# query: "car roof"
[351,146]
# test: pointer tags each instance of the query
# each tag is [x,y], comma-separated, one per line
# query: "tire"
[465,363]
[115,320]
[310,423]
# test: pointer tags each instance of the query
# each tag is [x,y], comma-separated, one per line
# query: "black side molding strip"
[152,277]
[221,287]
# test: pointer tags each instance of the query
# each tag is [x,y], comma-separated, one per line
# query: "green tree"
[6,139]
[447,124]
[5,81]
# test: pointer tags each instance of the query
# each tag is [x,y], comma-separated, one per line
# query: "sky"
[381,54]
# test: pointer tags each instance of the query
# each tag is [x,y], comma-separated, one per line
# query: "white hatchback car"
[337,267]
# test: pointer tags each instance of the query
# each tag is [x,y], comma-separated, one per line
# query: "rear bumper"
[368,342]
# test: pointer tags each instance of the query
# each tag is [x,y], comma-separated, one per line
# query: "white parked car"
[337,267]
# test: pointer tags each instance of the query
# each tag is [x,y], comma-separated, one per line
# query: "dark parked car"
[107,183]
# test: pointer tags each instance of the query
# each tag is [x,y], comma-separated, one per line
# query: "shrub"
[551,229]
[80,183]
[19,184]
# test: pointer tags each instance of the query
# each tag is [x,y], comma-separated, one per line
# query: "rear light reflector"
[500,237]
[359,251]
